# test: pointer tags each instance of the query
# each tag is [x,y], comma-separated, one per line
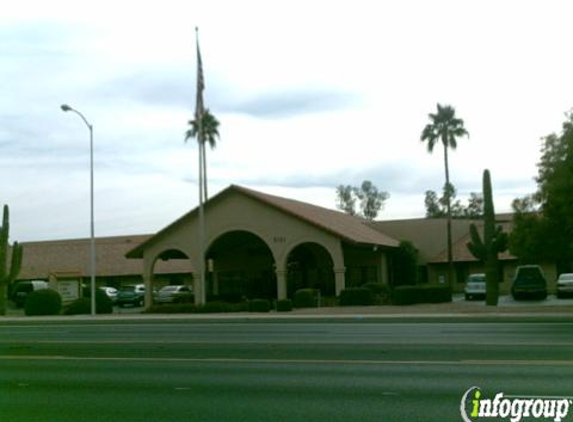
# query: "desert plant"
[8,273]
[494,241]
[43,302]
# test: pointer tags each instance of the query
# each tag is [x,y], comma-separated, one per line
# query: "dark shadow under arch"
[309,265]
[240,265]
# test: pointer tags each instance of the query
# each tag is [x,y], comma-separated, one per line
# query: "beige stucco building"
[260,245]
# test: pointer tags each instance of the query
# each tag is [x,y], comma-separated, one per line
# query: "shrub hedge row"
[259,305]
[428,293]
[357,296]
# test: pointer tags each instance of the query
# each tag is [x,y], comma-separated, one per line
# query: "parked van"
[22,289]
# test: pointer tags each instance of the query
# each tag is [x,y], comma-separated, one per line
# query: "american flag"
[200,83]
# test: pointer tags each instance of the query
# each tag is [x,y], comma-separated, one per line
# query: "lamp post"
[66,108]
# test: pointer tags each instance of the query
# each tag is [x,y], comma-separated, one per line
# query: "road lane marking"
[294,361]
[296,341]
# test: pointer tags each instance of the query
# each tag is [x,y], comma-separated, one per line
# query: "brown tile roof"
[352,229]
[42,258]
[349,228]
[429,236]
[460,250]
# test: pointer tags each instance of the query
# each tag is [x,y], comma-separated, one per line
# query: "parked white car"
[23,288]
[173,294]
[475,287]
[565,285]
[111,292]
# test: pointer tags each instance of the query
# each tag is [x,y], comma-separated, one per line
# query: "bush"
[104,304]
[81,306]
[284,305]
[259,305]
[406,295]
[381,292]
[356,296]
[428,293]
[43,302]
[432,293]
[305,298]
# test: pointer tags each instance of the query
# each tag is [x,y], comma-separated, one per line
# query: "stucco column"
[198,289]
[339,280]
[383,268]
[281,284]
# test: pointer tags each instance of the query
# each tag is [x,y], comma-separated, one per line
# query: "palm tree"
[210,129]
[445,127]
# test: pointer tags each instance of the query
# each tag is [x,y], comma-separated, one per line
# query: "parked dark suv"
[529,283]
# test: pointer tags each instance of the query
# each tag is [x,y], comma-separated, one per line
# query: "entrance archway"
[240,265]
[309,265]
[170,267]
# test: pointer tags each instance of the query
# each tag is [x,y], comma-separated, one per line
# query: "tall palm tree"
[210,129]
[445,127]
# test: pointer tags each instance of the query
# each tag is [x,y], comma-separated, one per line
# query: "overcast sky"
[310,95]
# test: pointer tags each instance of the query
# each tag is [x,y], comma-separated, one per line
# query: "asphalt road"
[273,371]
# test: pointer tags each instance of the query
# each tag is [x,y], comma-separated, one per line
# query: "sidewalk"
[457,311]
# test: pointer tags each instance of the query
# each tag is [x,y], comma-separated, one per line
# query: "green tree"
[345,199]
[475,208]
[210,129]
[436,207]
[370,198]
[406,260]
[446,128]
[543,222]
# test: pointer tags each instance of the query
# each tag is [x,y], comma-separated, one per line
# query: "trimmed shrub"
[406,295]
[428,293]
[104,304]
[259,305]
[226,297]
[43,302]
[432,293]
[81,306]
[284,305]
[381,292]
[305,298]
[356,296]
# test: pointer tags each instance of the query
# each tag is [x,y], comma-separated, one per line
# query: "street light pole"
[66,108]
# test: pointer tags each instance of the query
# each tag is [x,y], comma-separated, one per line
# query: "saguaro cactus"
[494,242]
[8,273]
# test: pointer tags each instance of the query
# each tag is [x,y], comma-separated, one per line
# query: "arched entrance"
[309,265]
[171,267]
[240,265]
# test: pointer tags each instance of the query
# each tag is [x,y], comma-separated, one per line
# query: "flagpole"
[200,294]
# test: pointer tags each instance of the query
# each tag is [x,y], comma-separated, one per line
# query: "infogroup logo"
[475,407]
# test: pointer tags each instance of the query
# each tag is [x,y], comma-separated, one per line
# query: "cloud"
[293,102]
